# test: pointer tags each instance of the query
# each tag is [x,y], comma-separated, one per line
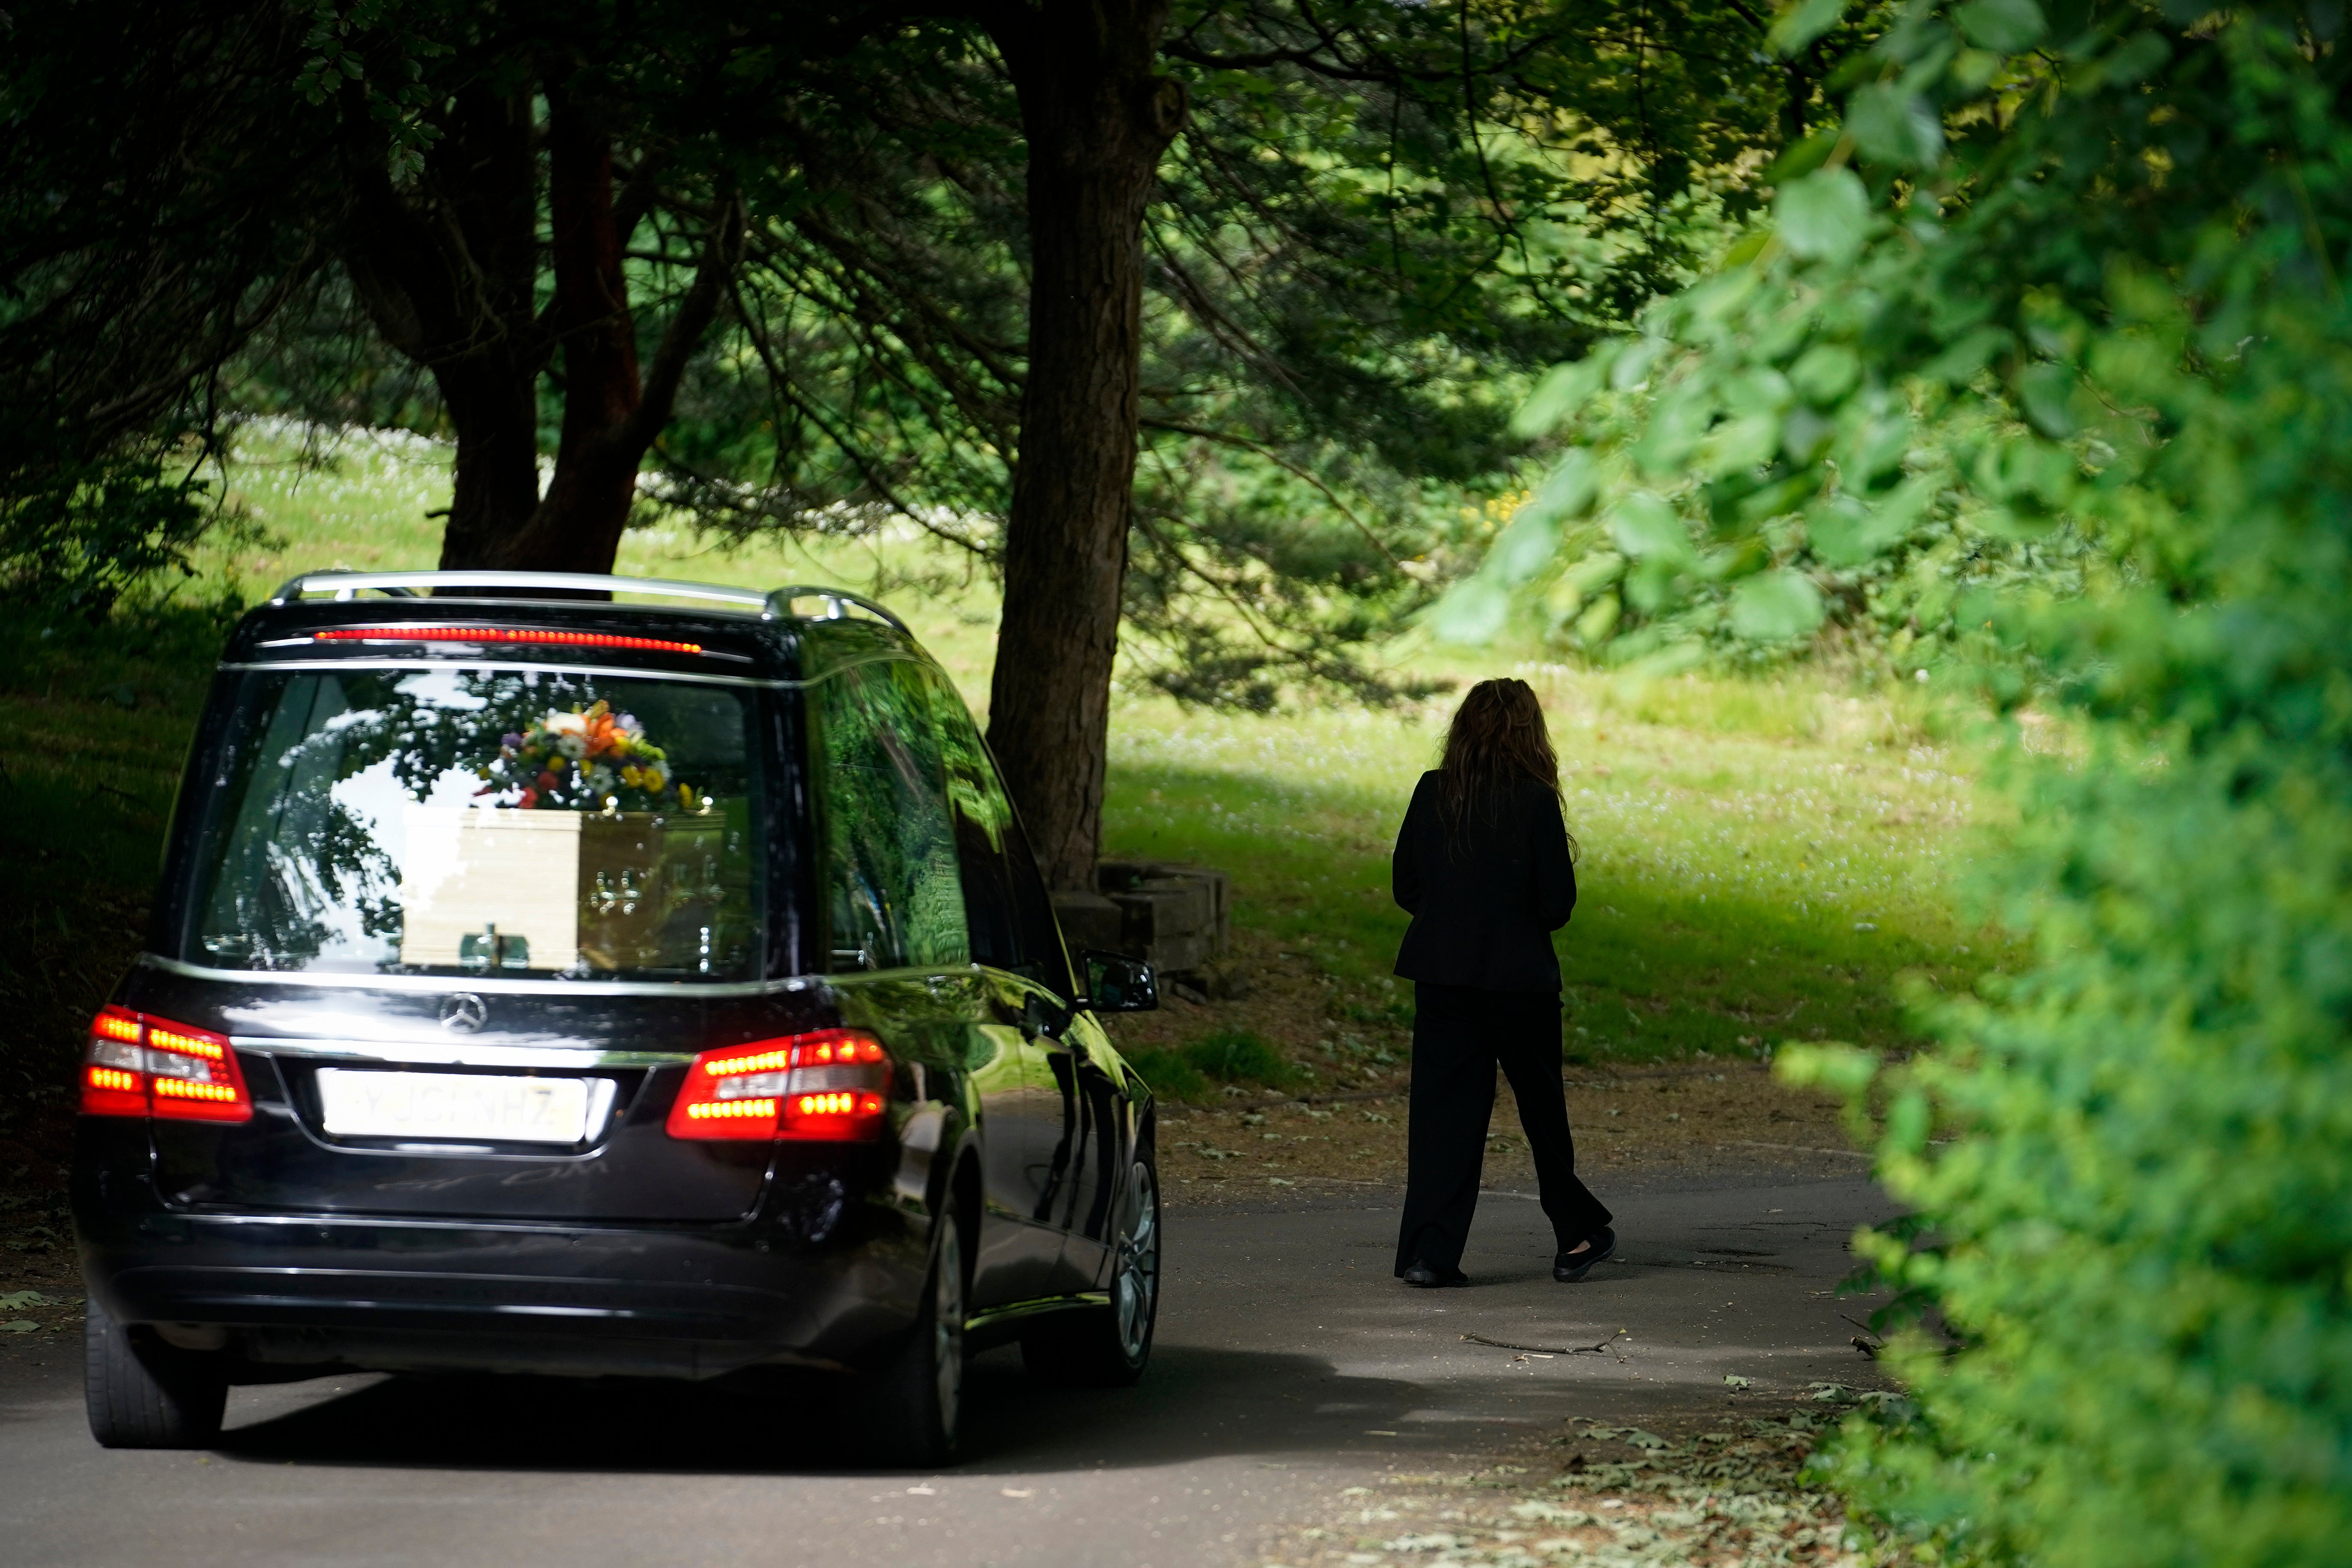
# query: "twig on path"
[1868,1342]
[1548,1350]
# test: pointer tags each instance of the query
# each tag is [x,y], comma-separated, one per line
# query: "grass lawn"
[1761,860]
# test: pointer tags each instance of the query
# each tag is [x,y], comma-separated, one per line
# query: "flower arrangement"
[590,760]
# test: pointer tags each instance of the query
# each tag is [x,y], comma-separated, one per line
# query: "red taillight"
[832,1085]
[502,633]
[137,1065]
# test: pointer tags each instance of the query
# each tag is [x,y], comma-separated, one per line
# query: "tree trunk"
[449,279]
[494,475]
[1096,120]
[577,526]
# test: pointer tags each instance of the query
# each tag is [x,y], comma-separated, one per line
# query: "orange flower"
[602,730]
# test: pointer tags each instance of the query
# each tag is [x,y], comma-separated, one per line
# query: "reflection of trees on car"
[896,897]
[302,863]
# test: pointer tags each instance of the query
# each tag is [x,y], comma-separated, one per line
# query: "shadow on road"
[1194,1403]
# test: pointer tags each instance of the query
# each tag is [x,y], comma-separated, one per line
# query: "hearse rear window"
[481,822]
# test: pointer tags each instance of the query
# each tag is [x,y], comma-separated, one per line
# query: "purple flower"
[510,740]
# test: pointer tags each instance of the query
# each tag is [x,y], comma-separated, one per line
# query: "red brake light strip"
[831,1086]
[139,1065]
[502,633]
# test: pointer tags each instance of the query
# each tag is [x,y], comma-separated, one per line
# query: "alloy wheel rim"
[1138,1286]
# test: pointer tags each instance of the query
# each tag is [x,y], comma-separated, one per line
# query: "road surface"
[1289,1364]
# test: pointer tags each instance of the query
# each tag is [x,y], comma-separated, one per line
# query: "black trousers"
[1459,1035]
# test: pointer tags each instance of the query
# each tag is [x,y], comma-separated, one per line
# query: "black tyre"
[144,1394]
[1110,1347]
[914,1407]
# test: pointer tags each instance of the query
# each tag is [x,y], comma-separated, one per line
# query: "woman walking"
[1483,864]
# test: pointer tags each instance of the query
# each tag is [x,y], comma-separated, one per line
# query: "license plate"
[435,1105]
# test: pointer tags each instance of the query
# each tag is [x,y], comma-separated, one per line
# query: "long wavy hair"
[1497,739]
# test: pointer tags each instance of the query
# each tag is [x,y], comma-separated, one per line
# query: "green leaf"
[1738,445]
[2008,26]
[1803,22]
[1676,423]
[1472,612]
[1525,549]
[1893,127]
[1632,366]
[2046,390]
[1747,249]
[1833,1064]
[1654,585]
[1761,391]
[1595,572]
[1824,374]
[1803,158]
[1825,214]
[1567,490]
[1599,621]
[2134,57]
[1566,388]
[1850,530]
[1646,528]
[1773,607]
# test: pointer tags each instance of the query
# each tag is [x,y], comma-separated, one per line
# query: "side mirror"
[1116,985]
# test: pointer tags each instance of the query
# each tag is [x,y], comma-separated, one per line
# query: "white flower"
[565,723]
[575,746]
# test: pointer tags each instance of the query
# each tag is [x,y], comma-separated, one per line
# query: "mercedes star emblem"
[463,1013]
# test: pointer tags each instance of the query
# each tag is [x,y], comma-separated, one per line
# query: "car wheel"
[917,1404]
[144,1394]
[1109,1347]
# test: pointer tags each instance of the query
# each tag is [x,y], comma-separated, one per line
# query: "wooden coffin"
[552,891]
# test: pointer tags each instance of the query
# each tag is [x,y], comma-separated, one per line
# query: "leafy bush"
[77,535]
[1234,1055]
[2104,324]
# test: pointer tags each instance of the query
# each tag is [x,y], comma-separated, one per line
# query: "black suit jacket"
[1484,900]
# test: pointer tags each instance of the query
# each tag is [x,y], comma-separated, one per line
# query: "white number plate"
[454,1105]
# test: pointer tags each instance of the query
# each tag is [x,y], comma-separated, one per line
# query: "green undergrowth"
[1227,1055]
[97,719]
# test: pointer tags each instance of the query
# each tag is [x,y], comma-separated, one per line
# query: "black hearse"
[595,976]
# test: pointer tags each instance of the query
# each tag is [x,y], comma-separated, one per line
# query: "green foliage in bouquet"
[2048,350]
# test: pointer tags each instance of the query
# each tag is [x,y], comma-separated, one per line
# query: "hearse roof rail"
[779,604]
[408,585]
[774,605]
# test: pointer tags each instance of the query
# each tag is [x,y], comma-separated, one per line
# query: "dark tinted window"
[1010,918]
[480,820]
[895,898]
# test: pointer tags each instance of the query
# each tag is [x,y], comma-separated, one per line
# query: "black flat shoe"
[1423,1277]
[1569,1268]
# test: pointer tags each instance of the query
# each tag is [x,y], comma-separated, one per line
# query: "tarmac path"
[1289,1364]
